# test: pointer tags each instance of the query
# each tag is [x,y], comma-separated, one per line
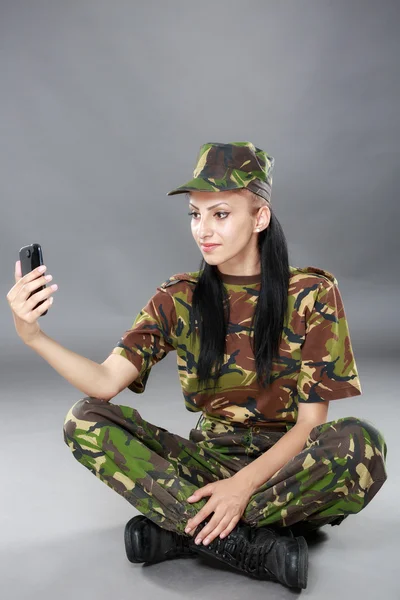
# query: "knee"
[77,416]
[366,431]
[88,412]
[369,440]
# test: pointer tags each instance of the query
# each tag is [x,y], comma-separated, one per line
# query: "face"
[226,219]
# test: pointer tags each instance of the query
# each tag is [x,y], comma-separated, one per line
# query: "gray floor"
[62,528]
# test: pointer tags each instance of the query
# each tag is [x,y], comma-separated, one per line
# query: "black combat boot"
[261,552]
[146,541]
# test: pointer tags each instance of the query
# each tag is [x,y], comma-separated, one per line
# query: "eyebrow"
[210,207]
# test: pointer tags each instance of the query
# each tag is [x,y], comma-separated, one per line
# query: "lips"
[209,246]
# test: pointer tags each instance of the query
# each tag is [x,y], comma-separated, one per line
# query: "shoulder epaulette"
[318,271]
[190,276]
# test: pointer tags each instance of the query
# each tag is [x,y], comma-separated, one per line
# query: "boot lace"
[247,556]
[180,545]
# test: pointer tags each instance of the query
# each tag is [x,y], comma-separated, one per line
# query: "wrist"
[31,342]
[245,480]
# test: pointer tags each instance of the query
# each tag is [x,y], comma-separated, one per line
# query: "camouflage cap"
[222,167]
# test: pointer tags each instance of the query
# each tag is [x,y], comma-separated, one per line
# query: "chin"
[210,261]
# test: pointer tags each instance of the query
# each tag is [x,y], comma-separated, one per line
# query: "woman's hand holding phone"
[24,308]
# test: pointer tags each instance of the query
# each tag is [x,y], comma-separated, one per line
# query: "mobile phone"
[31,257]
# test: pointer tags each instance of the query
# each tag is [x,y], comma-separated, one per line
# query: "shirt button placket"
[247,440]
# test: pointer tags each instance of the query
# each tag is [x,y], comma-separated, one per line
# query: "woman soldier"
[262,347]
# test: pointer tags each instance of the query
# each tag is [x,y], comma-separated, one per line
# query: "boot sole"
[130,552]
[302,569]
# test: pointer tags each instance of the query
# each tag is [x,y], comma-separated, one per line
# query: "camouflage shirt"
[316,360]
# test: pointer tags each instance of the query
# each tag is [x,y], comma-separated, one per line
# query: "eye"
[220,212]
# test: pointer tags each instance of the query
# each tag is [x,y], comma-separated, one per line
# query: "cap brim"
[201,185]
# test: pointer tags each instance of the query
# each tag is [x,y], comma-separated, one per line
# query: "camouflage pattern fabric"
[316,360]
[220,167]
[337,473]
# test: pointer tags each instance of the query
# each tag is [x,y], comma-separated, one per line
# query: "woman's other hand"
[228,502]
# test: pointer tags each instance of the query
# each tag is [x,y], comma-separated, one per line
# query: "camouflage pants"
[337,473]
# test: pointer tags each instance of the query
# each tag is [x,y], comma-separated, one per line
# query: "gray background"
[104,106]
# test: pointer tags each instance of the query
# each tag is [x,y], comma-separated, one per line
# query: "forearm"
[262,468]
[86,375]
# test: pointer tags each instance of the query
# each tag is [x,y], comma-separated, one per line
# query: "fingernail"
[206,541]
[42,268]
[187,529]
[197,541]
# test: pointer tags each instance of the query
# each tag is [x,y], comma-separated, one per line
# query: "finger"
[39,271]
[31,288]
[201,515]
[212,524]
[199,518]
[231,526]
[21,280]
[42,307]
[39,296]
[18,277]
[18,272]
[207,490]
[209,537]
[194,497]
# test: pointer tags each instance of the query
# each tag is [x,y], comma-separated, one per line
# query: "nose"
[204,230]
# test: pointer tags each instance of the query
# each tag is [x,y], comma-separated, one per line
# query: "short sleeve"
[328,367]
[150,338]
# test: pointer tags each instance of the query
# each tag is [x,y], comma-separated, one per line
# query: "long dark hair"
[210,304]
